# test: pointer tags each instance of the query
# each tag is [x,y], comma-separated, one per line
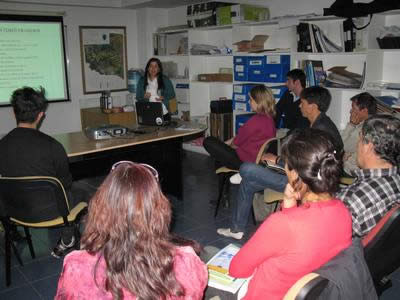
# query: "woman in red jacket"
[127,250]
[257,130]
[305,235]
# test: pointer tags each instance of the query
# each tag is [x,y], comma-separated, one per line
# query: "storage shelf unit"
[381,64]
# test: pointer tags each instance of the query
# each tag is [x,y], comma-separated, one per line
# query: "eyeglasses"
[148,167]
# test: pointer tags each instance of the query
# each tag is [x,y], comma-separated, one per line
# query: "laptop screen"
[149,113]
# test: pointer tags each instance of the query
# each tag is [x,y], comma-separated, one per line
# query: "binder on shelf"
[304,38]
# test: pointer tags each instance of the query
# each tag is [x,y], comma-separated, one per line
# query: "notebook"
[150,113]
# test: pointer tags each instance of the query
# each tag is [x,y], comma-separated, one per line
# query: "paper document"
[218,268]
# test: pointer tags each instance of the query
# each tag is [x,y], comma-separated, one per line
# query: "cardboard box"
[241,13]
[256,44]
[219,77]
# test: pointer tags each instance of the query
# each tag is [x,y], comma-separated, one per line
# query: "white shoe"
[228,233]
[236,179]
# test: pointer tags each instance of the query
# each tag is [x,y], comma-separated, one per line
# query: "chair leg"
[29,240]
[8,255]
[222,179]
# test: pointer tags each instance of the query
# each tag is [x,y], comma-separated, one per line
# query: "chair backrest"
[308,287]
[33,198]
[382,245]
[264,147]
[385,232]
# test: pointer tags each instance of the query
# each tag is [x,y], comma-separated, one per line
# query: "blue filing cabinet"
[240,97]
[278,91]
[276,68]
[240,68]
[256,68]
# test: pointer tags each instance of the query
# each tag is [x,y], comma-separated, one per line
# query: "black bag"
[349,9]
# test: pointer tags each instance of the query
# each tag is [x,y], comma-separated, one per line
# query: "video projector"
[105,132]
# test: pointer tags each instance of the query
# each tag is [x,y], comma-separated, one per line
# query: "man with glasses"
[377,185]
[26,151]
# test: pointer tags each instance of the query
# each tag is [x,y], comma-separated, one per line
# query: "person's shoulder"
[79,257]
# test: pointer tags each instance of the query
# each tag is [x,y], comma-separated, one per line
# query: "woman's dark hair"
[27,103]
[311,153]
[160,81]
[128,225]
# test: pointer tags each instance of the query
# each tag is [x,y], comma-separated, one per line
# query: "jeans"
[255,178]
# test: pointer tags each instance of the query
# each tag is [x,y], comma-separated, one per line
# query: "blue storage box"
[240,68]
[241,92]
[276,68]
[278,91]
[256,68]
[240,120]
[241,105]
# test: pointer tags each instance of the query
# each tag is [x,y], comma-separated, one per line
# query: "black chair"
[382,249]
[225,173]
[37,202]
[308,287]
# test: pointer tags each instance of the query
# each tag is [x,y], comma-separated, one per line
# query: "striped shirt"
[370,197]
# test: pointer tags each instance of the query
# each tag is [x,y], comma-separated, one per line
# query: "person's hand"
[290,197]
[147,95]
[269,157]
[229,142]
[355,118]
[160,98]
[346,156]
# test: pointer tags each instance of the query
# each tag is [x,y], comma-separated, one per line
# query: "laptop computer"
[150,113]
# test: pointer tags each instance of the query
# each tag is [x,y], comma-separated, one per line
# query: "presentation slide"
[32,54]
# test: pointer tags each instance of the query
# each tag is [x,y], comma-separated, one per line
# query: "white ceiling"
[131,4]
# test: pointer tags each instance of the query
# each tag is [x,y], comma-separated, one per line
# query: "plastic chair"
[382,248]
[37,202]
[308,287]
[225,173]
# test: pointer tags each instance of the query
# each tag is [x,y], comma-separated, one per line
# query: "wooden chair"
[308,287]
[173,106]
[37,202]
[225,173]
[382,248]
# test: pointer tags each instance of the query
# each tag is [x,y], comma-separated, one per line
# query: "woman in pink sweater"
[257,130]
[305,235]
[127,250]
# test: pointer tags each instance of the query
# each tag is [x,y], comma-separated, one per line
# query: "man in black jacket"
[25,151]
[288,114]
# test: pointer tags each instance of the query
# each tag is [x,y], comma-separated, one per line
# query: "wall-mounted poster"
[103,56]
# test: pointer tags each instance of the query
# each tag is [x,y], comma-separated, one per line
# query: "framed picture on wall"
[103,58]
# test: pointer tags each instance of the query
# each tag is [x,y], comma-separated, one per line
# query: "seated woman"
[154,86]
[300,238]
[257,130]
[127,250]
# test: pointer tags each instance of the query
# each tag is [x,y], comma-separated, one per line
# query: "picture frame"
[103,58]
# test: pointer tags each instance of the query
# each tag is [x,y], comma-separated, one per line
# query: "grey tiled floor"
[193,218]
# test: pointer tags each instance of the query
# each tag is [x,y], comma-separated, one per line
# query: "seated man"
[315,102]
[288,114]
[377,187]
[25,151]
[362,106]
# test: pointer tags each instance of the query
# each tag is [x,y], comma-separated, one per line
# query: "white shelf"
[212,82]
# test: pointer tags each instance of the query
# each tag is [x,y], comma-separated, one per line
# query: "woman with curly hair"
[127,251]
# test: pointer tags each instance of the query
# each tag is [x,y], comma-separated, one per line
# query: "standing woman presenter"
[154,86]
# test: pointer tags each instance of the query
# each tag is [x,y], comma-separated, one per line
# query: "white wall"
[65,117]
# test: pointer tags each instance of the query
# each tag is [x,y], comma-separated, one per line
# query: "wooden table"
[161,148]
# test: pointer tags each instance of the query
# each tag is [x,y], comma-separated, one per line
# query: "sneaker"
[228,233]
[61,249]
[236,179]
